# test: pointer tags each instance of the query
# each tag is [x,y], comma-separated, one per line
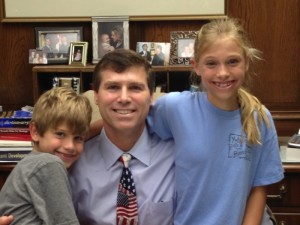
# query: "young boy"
[37,190]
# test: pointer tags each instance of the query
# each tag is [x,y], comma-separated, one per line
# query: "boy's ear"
[33,132]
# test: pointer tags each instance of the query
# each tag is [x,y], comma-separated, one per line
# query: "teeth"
[123,111]
[223,85]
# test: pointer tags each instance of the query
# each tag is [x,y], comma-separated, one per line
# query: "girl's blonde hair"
[249,104]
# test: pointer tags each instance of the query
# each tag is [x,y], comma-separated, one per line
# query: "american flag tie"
[127,212]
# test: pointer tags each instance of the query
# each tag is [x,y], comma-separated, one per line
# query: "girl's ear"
[33,132]
[195,66]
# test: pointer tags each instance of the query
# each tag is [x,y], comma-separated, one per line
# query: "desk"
[283,197]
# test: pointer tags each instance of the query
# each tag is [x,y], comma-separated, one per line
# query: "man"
[159,56]
[123,92]
[145,53]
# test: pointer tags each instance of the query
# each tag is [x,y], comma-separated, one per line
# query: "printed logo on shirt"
[238,148]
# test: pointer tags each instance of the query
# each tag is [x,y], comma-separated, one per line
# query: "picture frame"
[156,53]
[182,47]
[78,53]
[55,41]
[37,57]
[108,34]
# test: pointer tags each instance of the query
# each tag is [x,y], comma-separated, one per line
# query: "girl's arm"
[255,206]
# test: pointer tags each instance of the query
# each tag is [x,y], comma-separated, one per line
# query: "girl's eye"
[233,61]
[211,63]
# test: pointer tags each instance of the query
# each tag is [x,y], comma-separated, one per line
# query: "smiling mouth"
[223,84]
[64,155]
[123,111]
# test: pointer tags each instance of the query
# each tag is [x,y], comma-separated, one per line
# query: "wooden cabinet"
[284,197]
[174,78]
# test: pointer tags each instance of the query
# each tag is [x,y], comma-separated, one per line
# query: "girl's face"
[222,68]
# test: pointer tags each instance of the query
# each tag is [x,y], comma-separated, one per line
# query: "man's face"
[124,100]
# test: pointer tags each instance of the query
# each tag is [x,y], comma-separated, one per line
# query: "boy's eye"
[79,139]
[60,134]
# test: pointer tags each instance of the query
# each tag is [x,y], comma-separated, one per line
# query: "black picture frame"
[55,41]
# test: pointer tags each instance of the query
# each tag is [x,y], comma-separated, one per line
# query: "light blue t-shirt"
[215,170]
[95,177]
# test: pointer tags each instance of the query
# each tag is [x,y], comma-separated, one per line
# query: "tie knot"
[125,158]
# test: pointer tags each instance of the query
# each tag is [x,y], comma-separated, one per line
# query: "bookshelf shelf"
[175,78]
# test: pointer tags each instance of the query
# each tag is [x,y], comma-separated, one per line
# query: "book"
[14,143]
[14,130]
[71,82]
[289,154]
[15,137]
[14,122]
[14,154]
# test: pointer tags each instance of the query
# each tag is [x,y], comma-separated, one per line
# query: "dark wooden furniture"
[284,197]
[176,77]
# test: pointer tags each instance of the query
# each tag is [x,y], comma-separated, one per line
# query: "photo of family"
[109,34]
[56,42]
[37,57]
[156,53]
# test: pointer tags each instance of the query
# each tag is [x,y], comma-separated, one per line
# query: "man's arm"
[255,206]
[6,220]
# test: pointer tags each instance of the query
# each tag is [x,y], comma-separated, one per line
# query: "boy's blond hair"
[62,105]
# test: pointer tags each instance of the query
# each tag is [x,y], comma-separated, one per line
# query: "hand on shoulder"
[6,220]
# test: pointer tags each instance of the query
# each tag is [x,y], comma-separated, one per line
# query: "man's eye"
[113,87]
[136,88]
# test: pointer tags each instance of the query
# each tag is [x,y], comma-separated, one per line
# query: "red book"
[15,137]
[14,130]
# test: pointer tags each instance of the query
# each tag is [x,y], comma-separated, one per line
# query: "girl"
[225,140]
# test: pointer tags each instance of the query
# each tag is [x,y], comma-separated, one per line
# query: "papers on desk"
[289,155]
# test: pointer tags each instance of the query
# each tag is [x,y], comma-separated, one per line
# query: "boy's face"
[60,142]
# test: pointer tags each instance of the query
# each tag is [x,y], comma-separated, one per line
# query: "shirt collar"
[140,151]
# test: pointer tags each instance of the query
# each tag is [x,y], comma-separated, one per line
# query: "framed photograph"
[37,57]
[78,53]
[109,33]
[182,47]
[55,41]
[156,53]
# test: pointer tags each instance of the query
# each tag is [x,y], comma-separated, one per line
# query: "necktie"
[127,212]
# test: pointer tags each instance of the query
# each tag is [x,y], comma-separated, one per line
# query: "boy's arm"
[95,129]
[255,206]
[6,220]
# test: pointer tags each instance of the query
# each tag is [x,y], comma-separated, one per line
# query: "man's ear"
[33,132]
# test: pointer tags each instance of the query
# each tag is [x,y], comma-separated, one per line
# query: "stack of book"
[15,139]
